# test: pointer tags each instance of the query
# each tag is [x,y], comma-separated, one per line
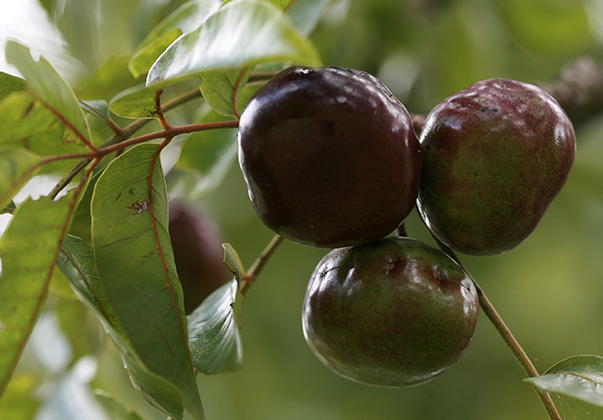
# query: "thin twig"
[260,262]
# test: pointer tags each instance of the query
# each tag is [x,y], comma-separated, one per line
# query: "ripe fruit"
[392,313]
[198,254]
[329,155]
[495,156]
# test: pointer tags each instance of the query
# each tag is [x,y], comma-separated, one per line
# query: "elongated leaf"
[79,266]
[29,249]
[223,89]
[15,171]
[187,17]
[10,83]
[580,377]
[43,80]
[241,33]
[233,261]
[135,262]
[214,336]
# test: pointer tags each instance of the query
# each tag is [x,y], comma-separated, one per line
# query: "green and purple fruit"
[198,254]
[495,156]
[329,155]
[393,313]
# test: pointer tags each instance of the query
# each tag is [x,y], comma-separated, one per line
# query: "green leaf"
[233,261]
[223,89]
[580,377]
[19,402]
[114,408]
[242,33]
[15,170]
[29,249]
[189,16]
[214,336]
[9,83]
[204,161]
[135,262]
[306,14]
[43,80]
[79,266]
[8,208]
[99,109]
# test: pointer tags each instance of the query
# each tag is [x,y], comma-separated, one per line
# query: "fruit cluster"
[331,159]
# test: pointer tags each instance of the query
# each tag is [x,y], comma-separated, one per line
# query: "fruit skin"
[495,156]
[198,254]
[329,155]
[392,313]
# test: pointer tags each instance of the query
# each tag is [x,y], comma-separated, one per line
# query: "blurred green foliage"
[549,290]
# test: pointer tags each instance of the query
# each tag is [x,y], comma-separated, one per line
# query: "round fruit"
[495,156]
[198,254]
[329,155]
[394,313]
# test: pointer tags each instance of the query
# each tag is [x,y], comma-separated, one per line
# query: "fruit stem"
[507,336]
[259,263]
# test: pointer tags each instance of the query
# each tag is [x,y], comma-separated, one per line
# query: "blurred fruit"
[329,155]
[392,313]
[495,156]
[198,254]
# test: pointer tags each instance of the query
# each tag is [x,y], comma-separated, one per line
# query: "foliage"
[153,118]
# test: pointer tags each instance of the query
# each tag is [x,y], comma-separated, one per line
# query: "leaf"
[98,109]
[306,14]
[189,16]
[135,262]
[43,80]
[79,266]
[242,33]
[8,208]
[29,250]
[214,337]
[15,170]
[19,402]
[580,377]
[9,83]
[114,407]
[204,161]
[222,89]
[233,261]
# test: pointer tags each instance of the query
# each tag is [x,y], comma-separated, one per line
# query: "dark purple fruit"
[393,313]
[495,156]
[329,155]
[198,254]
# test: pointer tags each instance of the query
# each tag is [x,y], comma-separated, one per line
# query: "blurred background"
[549,290]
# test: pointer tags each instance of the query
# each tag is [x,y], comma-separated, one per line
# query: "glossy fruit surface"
[329,155]
[394,313]
[495,156]
[198,254]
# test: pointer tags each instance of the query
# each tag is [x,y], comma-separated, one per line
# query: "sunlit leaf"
[29,249]
[223,89]
[9,83]
[241,33]
[136,265]
[214,336]
[306,14]
[79,266]
[114,408]
[579,377]
[186,18]
[15,170]
[43,80]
